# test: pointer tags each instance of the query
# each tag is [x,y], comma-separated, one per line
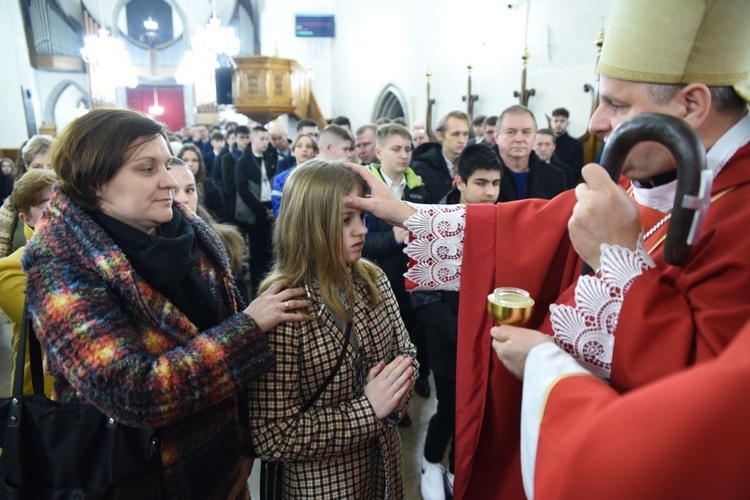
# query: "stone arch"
[54,96]
[390,104]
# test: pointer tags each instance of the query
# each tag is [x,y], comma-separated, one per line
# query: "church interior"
[418,60]
[209,62]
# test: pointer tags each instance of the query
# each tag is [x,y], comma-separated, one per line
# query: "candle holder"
[510,305]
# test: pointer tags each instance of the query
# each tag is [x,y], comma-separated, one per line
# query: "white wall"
[277,32]
[393,42]
[377,44]
[16,72]
[49,82]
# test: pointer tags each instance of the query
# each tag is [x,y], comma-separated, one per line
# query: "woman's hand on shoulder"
[277,305]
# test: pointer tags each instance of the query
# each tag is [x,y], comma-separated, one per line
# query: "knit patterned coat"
[8,221]
[337,449]
[113,341]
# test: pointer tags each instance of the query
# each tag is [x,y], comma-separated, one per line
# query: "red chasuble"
[685,436]
[671,317]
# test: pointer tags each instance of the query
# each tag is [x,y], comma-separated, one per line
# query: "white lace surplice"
[436,244]
[586,331]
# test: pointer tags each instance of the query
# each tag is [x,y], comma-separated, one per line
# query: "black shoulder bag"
[272,473]
[51,451]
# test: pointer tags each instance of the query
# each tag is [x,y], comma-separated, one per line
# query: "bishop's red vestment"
[671,317]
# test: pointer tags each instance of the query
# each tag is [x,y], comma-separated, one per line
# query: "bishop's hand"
[381,202]
[604,214]
[513,344]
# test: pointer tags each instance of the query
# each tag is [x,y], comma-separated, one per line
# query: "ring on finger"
[286,304]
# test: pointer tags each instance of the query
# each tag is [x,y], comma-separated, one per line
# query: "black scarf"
[167,263]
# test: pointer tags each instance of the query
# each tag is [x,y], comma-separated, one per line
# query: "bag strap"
[322,388]
[27,337]
[271,472]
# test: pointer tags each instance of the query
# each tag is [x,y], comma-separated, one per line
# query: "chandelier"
[193,63]
[208,44]
[111,59]
[215,39]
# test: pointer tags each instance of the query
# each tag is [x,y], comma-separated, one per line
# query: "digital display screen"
[315,25]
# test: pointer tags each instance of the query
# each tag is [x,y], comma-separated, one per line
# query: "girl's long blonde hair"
[307,235]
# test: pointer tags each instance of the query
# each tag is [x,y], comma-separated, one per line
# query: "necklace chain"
[657,226]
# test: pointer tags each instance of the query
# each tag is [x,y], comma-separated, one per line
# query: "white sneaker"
[449,477]
[432,481]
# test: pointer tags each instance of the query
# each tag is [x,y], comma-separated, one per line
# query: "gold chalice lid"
[510,305]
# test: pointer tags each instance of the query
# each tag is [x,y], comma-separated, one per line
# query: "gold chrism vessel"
[510,305]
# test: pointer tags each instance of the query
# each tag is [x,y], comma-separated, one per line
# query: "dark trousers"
[442,428]
[418,337]
[259,238]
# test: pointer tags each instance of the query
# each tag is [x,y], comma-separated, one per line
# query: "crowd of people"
[585,419]
[254,295]
[226,215]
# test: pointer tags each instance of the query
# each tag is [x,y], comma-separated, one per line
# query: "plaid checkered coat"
[338,448]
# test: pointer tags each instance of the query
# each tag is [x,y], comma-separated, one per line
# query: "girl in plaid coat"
[346,444]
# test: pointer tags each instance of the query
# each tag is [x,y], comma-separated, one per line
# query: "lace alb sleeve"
[436,247]
[587,331]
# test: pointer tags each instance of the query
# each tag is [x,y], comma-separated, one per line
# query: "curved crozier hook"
[693,177]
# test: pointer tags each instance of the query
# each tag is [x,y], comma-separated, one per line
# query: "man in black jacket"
[544,147]
[253,174]
[224,174]
[569,149]
[435,162]
[217,146]
[280,141]
[479,171]
[384,244]
[524,174]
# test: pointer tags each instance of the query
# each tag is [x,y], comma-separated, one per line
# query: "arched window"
[64,103]
[390,104]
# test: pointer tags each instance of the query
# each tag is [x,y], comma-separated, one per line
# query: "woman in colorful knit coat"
[133,301]
[344,443]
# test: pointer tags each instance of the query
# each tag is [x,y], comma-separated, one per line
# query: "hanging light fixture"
[156,110]
[215,39]
[207,44]
[150,24]
[110,57]
[194,63]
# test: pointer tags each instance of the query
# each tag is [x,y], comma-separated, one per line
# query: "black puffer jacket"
[428,162]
